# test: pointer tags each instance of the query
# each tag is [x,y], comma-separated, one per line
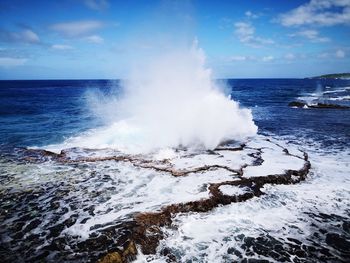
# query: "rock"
[328,106]
[33,224]
[113,257]
[127,255]
[296,104]
[115,241]
[319,105]
[337,241]
[346,226]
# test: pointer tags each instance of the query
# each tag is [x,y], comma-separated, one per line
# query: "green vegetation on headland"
[334,76]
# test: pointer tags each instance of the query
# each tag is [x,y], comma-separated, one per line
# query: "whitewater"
[170,102]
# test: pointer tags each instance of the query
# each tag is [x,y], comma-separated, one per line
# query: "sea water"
[55,211]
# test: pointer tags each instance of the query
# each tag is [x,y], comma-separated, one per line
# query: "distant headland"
[333,76]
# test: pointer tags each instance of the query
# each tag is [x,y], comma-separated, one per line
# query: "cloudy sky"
[87,39]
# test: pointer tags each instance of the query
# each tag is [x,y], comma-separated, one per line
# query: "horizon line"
[54,79]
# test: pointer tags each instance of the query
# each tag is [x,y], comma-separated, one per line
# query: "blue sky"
[87,39]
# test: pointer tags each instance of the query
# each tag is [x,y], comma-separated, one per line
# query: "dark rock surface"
[318,105]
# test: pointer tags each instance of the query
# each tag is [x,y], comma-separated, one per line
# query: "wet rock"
[113,257]
[33,224]
[339,242]
[54,205]
[319,105]
[170,257]
[234,251]
[115,241]
[147,232]
[95,243]
[294,240]
[17,226]
[57,244]
[41,257]
[56,230]
[346,226]
[253,260]
[328,106]
[128,254]
[85,220]
[297,104]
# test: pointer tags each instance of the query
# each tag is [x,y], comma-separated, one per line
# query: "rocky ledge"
[79,210]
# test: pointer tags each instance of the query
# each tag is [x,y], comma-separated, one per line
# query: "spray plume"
[172,101]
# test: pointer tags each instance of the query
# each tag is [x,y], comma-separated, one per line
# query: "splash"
[167,103]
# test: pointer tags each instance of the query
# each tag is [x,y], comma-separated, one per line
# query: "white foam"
[147,190]
[232,160]
[233,190]
[347,97]
[275,162]
[165,154]
[336,90]
[206,237]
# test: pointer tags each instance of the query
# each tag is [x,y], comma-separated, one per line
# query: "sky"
[100,39]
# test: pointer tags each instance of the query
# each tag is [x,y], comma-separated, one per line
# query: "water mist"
[169,102]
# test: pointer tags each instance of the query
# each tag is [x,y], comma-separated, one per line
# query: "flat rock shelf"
[86,205]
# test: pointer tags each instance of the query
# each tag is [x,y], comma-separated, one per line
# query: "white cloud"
[268,58]
[24,36]
[246,34]
[8,62]
[244,31]
[250,14]
[61,47]
[96,39]
[77,28]
[323,55]
[318,12]
[340,54]
[289,56]
[29,36]
[98,5]
[337,54]
[312,35]
[238,58]
[241,58]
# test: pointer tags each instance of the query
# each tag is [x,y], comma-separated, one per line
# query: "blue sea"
[45,203]
[37,113]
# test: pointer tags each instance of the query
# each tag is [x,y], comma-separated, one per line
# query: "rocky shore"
[46,220]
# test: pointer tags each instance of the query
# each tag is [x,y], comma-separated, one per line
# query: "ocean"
[37,113]
[69,208]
